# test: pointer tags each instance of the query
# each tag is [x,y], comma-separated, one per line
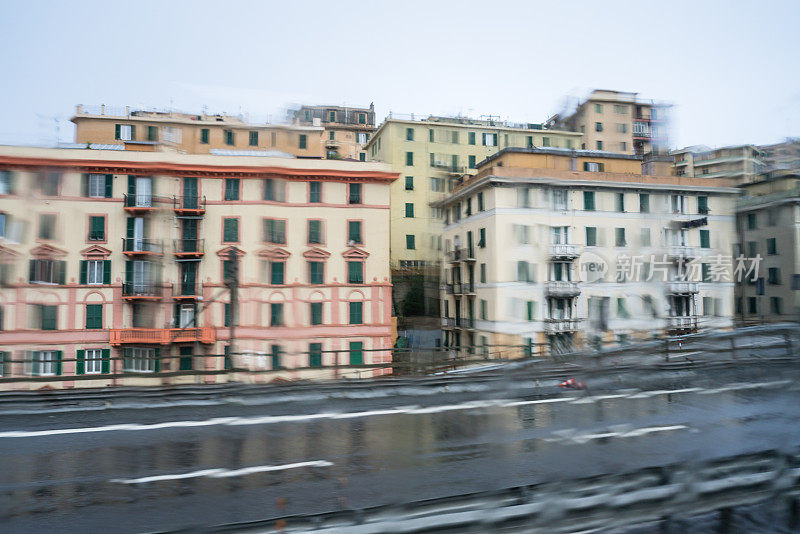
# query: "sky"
[730,68]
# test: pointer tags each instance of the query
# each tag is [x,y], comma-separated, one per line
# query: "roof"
[556,151]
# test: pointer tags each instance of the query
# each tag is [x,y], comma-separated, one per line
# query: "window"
[678,203]
[354,194]
[622,308]
[97,228]
[354,232]
[705,272]
[471,138]
[599,145]
[409,159]
[204,136]
[431,135]
[545,141]
[484,309]
[355,272]
[316,272]
[315,192]
[231,189]
[362,156]
[409,134]
[315,354]
[772,217]
[489,139]
[598,127]
[47,271]
[275,231]
[227,317]
[524,273]
[591,166]
[46,362]
[471,160]
[253,139]
[480,202]
[5,184]
[588,200]
[644,203]
[356,313]
[621,202]
[702,205]
[530,310]
[275,190]
[591,236]
[315,232]
[276,314]
[137,359]
[559,235]
[356,353]
[277,271]
[47,226]
[302,141]
[774,276]
[95,272]
[772,247]
[776,305]
[94,316]
[483,273]
[97,185]
[409,209]
[230,230]
[623,146]
[316,313]
[454,137]
[560,199]
[598,108]
[482,237]
[47,317]
[410,245]
[705,239]
[229,140]
[752,249]
[752,307]
[92,361]
[645,237]
[125,132]
[752,222]
[622,128]
[619,240]
[437,185]
[332,135]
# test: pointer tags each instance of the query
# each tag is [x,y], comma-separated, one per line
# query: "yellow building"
[193,133]
[347,129]
[114,265]
[617,121]
[558,247]
[430,154]
[743,164]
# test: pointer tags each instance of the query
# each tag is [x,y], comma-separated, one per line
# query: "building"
[553,248]
[124,255]
[193,133]
[616,121]
[768,218]
[347,129]
[781,158]
[742,164]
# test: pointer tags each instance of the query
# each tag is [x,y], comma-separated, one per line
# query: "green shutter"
[31,270]
[128,272]
[133,132]
[109,185]
[356,313]
[705,239]
[80,365]
[315,354]
[116,131]
[106,364]
[85,184]
[83,272]
[94,316]
[316,313]
[58,361]
[62,272]
[106,272]
[356,353]
[157,359]
[131,184]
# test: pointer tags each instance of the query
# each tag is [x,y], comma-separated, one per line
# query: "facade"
[768,219]
[193,134]
[616,121]
[554,248]
[782,158]
[117,265]
[431,155]
[742,164]
[347,129]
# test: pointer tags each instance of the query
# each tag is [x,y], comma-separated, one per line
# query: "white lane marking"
[223,473]
[571,435]
[410,410]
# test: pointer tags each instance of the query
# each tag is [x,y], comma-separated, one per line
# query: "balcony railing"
[682,288]
[162,336]
[189,247]
[562,288]
[682,322]
[467,322]
[467,288]
[190,205]
[564,251]
[557,326]
[461,254]
[448,322]
[138,202]
[141,289]
[137,245]
[681,251]
[184,290]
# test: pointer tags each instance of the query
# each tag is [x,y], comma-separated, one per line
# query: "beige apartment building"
[616,121]
[768,219]
[553,248]
[742,164]
[431,154]
[114,266]
[782,158]
[193,133]
[347,129]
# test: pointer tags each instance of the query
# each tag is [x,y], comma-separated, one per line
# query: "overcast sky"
[730,68]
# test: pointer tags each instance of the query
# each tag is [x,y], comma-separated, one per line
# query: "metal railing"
[189,246]
[189,203]
[557,326]
[140,201]
[141,289]
[183,289]
[564,251]
[562,288]
[143,245]
[680,288]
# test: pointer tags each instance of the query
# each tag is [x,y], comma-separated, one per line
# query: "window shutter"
[129,229]
[116,131]
[128,272]
[80,362]
[106,364]
[32,271]
[106,272]
[62,272]
[131,184]
[109,185]
[133,132]
[85,184]
[58,362]
[83,276]
[157,359]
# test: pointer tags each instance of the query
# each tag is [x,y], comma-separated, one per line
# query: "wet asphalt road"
[164,468]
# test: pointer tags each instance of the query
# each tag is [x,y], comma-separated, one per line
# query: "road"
[169,467]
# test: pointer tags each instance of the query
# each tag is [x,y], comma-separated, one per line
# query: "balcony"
[137,246]
[141,291]
[332,144]
[682,288]
[448,288]
[189,248]
[562,288]
[564,251]
[676,252]
[467,288]
[682,323]
[189,206]
[467,323]
[162,336]
[448,323]
[138,203]
[560,326]
[185,291]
